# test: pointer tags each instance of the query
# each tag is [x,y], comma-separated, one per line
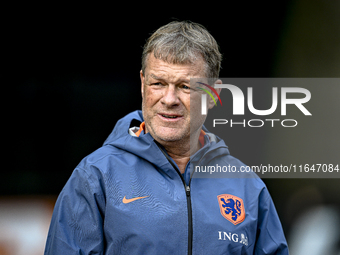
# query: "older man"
[136,194]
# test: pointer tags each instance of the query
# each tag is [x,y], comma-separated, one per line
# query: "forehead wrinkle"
[155,77]
[170,78]
[173,73]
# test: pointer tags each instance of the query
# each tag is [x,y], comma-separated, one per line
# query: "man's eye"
[185,87]
[157,83]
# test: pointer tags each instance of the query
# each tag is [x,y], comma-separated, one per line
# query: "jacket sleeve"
[77,220]
[270,236]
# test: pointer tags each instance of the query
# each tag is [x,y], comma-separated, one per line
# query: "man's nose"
[170,96]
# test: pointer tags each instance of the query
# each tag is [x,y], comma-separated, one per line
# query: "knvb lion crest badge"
[232,208]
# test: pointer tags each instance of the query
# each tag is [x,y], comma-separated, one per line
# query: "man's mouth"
[170,116]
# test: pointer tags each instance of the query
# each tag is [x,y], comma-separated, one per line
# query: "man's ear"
[211,102]
[142,79]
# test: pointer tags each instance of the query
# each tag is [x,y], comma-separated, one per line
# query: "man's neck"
[180,152]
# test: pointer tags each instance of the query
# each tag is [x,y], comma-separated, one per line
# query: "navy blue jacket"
[128,197]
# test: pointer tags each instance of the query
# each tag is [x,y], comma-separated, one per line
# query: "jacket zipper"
[188,196]
[190,230]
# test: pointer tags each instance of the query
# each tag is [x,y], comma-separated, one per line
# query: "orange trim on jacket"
[142,128]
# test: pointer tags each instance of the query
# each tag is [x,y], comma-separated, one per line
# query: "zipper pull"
[187,188]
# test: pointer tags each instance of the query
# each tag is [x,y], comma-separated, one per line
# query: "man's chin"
[169,135]
[169,139]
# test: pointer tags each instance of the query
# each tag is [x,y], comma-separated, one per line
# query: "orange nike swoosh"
[126,201]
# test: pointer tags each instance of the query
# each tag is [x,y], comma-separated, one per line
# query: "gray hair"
[182,43]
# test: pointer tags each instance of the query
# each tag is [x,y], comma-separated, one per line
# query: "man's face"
[166,96]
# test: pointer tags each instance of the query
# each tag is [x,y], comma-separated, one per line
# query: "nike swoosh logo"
[126,201]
